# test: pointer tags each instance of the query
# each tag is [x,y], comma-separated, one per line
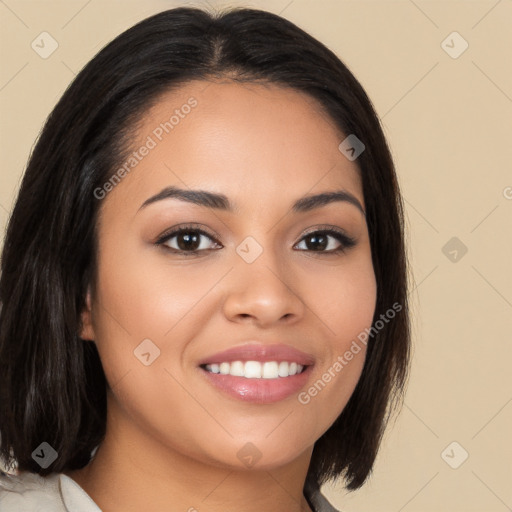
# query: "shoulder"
[30,492]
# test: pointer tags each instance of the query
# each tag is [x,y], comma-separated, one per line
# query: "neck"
[133,471]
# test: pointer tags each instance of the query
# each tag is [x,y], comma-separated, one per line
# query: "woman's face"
[258,282]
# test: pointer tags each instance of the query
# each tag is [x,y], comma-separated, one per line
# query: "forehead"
[252,141]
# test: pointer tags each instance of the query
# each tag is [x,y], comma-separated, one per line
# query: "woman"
[203,279]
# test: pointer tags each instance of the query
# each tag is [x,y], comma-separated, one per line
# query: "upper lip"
[262,353]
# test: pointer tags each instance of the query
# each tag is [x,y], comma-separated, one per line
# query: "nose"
[264,293]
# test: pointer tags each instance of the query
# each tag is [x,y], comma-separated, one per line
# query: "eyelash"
[346,241]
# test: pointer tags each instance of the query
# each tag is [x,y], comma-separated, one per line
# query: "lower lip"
[260,391]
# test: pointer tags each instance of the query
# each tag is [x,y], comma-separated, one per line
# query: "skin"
[172,438]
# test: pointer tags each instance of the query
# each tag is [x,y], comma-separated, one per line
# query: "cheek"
[147,296]
[143,319]
[345,304]
[344,299]
[145,305]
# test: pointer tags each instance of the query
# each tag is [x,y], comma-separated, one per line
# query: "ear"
[86,328]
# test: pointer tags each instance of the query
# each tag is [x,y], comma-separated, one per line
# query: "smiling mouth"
[256,369]
[258,373]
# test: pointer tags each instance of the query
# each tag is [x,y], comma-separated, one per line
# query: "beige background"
[448,121]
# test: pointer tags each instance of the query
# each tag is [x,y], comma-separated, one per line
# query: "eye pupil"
[317,242]
[191,241]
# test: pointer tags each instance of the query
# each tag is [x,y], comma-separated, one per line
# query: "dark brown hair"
[52,385]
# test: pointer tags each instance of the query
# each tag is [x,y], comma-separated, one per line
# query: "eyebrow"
[221,202]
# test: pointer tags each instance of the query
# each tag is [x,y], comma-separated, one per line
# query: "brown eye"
[188,240]
[326,241]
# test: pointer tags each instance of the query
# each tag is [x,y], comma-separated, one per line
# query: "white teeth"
[256,370]
[237,369]
[252,370]
[284,369]
[270,370]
